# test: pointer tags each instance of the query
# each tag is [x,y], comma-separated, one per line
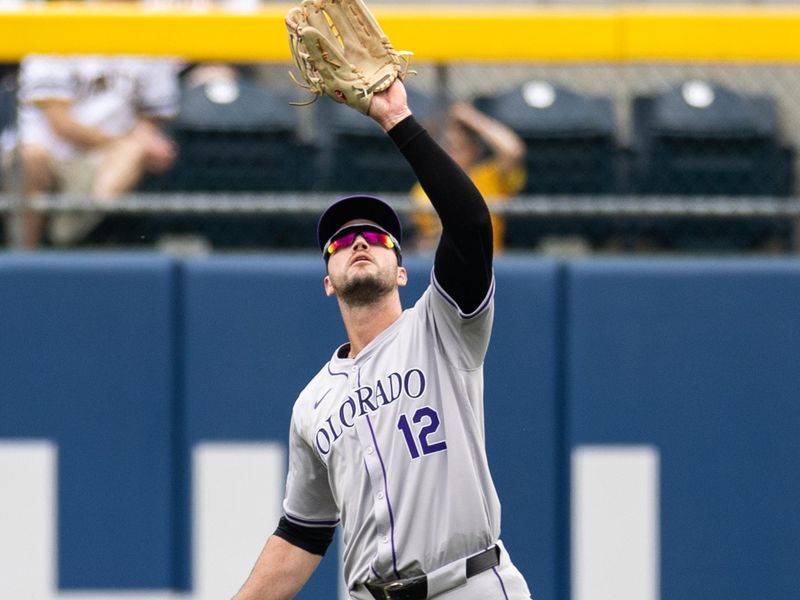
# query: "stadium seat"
[570,137]
[719,144]
[7,105]
[571,150]
[8,113]
[241,138]
[358,156]
[701,139]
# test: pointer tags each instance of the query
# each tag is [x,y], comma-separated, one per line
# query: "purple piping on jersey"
[311,522]
[344,373]
[500,579]
[454,304]
[386,492]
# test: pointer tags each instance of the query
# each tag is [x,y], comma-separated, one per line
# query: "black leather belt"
[416,588]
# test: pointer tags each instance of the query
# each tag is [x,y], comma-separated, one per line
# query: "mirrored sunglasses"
[347,237]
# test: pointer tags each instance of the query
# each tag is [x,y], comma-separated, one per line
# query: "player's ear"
[402,276]
[326,282]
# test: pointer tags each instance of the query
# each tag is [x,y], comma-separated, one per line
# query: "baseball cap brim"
[358,207]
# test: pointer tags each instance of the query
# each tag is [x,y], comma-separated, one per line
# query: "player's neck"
[364,323]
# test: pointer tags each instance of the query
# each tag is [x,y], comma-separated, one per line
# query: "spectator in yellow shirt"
[499,176]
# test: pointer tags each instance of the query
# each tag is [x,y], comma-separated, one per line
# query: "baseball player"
[387,440]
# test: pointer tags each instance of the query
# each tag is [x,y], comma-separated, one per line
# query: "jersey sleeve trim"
[310,522]
[449,299]
[311,539]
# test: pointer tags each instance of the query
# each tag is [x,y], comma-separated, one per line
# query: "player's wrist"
[389,120]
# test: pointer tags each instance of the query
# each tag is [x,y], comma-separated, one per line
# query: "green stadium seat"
[8,115]
[728,148]
[700,139]
[230,140]
[248,143]
[570,137]
[571,150]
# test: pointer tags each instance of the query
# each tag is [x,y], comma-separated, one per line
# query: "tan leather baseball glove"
[342,52]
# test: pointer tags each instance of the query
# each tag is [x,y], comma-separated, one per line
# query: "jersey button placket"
[383,529]
[353,378]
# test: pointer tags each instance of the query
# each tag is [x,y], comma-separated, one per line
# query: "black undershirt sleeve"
[463,263]
[311,539]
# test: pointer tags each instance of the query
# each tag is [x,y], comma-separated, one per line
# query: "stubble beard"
[364,290]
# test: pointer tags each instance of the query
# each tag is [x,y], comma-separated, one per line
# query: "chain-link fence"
[620,157]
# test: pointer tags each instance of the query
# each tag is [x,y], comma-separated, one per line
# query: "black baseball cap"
[351,208]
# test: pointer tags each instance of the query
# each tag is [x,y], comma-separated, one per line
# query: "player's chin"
[362,277]
[364,289]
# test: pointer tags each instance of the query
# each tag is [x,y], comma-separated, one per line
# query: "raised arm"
[463,264]
[506,146]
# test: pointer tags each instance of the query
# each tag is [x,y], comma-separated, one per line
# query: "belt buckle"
[390,588]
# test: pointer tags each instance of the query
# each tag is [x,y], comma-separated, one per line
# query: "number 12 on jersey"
[419,440]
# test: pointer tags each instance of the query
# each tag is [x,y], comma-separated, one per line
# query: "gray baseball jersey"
[392,444]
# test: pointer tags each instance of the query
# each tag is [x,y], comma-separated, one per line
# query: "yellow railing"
[432,32]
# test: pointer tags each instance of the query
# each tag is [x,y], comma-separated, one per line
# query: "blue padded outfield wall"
[124,365]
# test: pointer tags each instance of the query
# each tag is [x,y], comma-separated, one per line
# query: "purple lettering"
[364,399]
[395,379]
[336,435]
[381,393]
[349,402]
[327,447]
[420,383]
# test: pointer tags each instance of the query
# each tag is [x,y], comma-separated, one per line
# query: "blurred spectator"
[89,127]
[491,154]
